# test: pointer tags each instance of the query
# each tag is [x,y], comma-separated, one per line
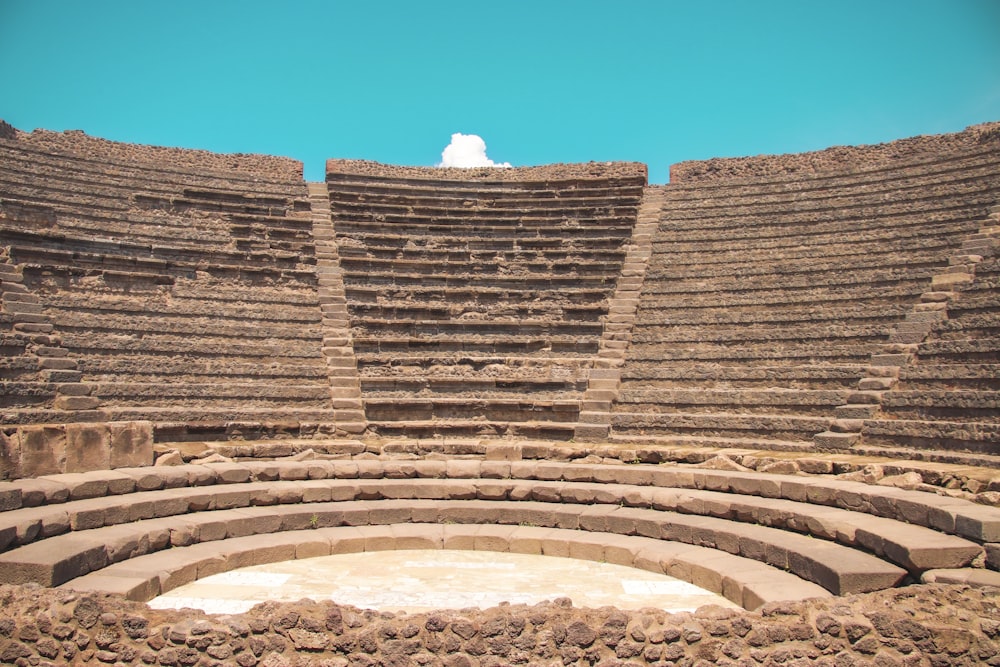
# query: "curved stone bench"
[974,522]
[745,582]
[57,559]
[915,548]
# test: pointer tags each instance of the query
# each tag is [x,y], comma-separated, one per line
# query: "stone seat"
[457,267]
[181,204]
[656,298]
[651,375]
[21,393]
[382,238]
[377,187]
[32,162]
[812,352]
[915,548]
[221,414]
[442,311]
[773,400]
[806,332]
[491,409]
[962,376]
[975,522]
[55,560]
[959,436]
[825,247]
[267,307]
[361,293]
[797,278]
[929,405]
[537,346]
[981,350]
[101,257]
[743,581]
[166,370]
[434,254]
[523,213]
[820,241]
[413,385]
[768,261]
[469,327]
[220,394]
[794,427]
[103,354]
[876,178]
[534,281]
[618,228]
[861,311]
[445,197]
[473,426]
[300,324]
[926,188]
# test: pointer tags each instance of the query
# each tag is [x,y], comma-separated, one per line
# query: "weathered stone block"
[77,402]
[88,447]
[10,455]
[43,450]
[131,444]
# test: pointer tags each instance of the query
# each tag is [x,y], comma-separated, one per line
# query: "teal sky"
[541,81]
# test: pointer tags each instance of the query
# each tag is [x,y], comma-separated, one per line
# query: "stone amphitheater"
[775,378]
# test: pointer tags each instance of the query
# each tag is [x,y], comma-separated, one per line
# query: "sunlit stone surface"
[424,580]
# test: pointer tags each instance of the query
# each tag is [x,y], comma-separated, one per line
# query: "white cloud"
[467,150]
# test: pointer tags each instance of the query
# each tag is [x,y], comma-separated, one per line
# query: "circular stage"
[425,580]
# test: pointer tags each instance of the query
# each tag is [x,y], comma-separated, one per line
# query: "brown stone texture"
[838,158]
[160,284]
[543,173]
[476,297]
[180,159]
[43,450]
[937,625]
[88,447]
[131,444]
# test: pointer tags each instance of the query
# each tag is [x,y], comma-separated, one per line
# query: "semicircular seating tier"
[750,536]
[478,298]
[168,285]
[779,309]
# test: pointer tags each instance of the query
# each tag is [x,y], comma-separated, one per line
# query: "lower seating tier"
[842,536]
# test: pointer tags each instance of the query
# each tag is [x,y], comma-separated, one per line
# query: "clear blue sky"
[657,81]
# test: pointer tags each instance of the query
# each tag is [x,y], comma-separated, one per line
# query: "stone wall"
[838,158]
[921,625]
[50,449]
[184,159]
[549,172]
[7,131]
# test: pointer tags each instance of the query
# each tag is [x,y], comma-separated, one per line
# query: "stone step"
[58,559]
[748,583]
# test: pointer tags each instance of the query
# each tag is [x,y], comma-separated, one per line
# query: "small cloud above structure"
[467,151]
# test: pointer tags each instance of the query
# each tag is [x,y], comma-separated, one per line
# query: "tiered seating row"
[177,296]
[445,278]
[945,394]
[153,204]
[843,536]
[773,294]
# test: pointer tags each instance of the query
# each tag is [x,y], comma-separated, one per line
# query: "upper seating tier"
[515,264]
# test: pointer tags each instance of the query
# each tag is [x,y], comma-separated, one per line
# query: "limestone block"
[943,281]
[831,440]
[10,455]
[876,384]
[131,444]
[88,447]
[76,402]
[43,450]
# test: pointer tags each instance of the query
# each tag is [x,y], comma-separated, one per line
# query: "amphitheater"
[775,378]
